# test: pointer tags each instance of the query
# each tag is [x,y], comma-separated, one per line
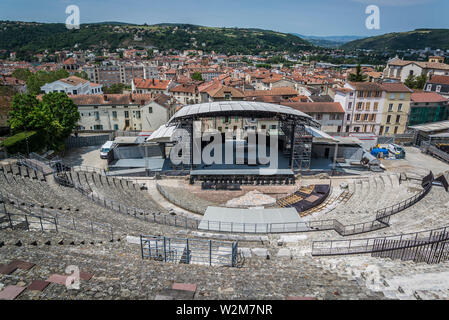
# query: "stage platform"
[248,220]
[243,172]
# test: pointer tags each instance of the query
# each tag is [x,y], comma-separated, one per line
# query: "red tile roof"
[70,61]
[281,91]
[396,87]
[422,96]
[185,88]
[439,80]
[151,84]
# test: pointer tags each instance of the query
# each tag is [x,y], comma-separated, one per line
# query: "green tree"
[421,81]
[416,82]
[82,75]
[36,80]
[54,117]
[115,88]
[410,81]
[197,76]
[358,76]
[21,74]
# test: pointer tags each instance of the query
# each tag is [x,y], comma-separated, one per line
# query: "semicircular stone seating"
[67,203]
[371,194]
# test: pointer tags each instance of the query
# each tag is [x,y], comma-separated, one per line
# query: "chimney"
[105,97]
[153,82]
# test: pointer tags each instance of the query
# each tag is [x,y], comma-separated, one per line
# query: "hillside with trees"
[417,39]
[27,38]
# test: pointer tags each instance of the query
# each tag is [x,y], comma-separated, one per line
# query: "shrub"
[18,142]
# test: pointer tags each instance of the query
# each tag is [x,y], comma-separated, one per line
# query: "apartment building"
[363,105]
[186,93]
[427,107]
[438,84]
[330,115]
[144,112]
[397,98]
[154,86]
[108,75]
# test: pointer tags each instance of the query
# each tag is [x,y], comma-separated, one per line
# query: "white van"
[105,149]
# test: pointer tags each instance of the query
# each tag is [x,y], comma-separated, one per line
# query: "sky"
[307,17]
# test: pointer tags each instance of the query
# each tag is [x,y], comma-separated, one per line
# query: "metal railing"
[435,152]
[382,215]
[60,221]
[27,222]
[189,251]
[382,218]
[395,247]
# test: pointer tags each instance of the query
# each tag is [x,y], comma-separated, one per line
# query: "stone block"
[11,292]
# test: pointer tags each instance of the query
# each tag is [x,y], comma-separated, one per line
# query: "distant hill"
[328,41]
[417,39]
[34,37]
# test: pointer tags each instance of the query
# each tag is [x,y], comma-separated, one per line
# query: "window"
[373,117]
[429,87]
[357,117]
[396,130]
[376,106]
[367,106]
[114,114]
[387,129]
[368,94]
[348,117]
[150,109]
[126,114]
[390,107]
[438,89]
[402,96]
[388,121]
[115,126]
[360,94]
[319,116]
[400,107]
[378,94]
[138,114]
[349,105]
[398,119]
[97,115]
[392,96]
[360,106]
[365,117]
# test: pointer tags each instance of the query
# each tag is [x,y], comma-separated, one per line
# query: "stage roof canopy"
[249,109]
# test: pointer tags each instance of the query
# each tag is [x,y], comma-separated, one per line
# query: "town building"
[139,85]
[363,103]
[73,85]
[400,70]
[142,112]
[330,115]
[427,107]
[396,108]
[438,84]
